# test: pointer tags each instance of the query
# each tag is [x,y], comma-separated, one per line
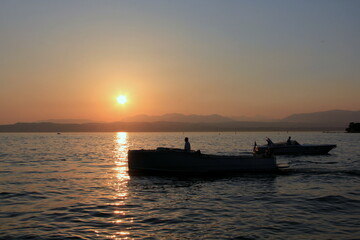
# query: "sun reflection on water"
[120,184]
[121,152]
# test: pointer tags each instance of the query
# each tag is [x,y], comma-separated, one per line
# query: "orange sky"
[70,60]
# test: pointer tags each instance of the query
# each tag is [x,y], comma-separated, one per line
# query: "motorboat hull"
[181,162]
[295,149]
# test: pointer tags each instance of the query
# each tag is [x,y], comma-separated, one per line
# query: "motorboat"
[178,161]
[292,147]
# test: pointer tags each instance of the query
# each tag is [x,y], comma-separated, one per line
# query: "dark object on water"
[293,148]
[177,161]
[353,128]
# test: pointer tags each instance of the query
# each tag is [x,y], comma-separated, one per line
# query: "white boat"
[177,161]
[293,148]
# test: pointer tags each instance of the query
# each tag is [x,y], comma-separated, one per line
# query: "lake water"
[76,186]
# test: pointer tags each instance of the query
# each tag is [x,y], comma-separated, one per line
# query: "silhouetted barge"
[177,161]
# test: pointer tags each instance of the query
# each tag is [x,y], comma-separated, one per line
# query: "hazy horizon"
[72,59]
[336,114]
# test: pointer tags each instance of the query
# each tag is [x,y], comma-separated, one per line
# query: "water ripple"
[76,186]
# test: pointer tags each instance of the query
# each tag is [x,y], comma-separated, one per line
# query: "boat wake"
[355,172]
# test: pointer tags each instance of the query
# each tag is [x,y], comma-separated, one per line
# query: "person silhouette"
[269,142]
[187,146]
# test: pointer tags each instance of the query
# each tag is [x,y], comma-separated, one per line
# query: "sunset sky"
[71,59]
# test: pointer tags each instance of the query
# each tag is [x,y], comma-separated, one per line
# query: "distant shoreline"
[172,127]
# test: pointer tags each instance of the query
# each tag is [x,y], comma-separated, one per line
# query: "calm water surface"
[76,186]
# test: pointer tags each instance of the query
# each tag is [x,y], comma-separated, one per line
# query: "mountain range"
[336,120]
[177,117]
[333,116]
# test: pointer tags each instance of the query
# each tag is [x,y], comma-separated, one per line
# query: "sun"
[121,99]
